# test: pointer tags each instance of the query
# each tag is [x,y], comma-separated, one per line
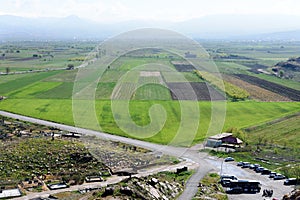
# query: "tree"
[70,66]
[7,70]
[281,73]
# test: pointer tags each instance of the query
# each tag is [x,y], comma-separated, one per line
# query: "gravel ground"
[230,168]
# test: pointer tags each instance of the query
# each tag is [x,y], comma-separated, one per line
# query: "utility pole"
[221,172]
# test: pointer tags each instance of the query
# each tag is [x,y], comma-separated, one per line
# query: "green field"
[48,95]
[283,132]
[239,114]
[152,92]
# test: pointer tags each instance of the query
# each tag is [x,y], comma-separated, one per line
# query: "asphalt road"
[191,154]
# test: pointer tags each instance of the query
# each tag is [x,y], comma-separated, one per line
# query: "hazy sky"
[167,10]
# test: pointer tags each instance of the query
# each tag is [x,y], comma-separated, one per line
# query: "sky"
[162,10]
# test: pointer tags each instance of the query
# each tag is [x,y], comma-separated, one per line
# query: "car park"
[229,159]
[279,177]
[290,181]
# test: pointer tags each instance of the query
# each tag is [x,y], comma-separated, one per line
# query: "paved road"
[191,154]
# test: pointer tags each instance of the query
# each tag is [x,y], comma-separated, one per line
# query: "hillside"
[289,69]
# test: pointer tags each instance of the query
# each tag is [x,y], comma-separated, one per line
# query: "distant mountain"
[210,27]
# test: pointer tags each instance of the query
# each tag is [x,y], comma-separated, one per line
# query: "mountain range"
[219,27]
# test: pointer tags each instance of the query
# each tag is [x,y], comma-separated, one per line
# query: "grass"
[63,90]
[230,67]
[284,132]
[22,82]
[104,90]
[211,188]
[231,90]
[152,92]
[33,89]
[239,115]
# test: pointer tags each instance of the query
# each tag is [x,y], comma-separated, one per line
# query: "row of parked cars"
[264,171]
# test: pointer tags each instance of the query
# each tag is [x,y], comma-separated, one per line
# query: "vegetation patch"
[231,90]
[152,92]
[255,91]
[279,89]
[209,187]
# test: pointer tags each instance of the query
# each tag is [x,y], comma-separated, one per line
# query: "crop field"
[255,91]
[139,78]
[25,56]
[279,89]
[200,91]
[231,90]
[184,67]
[152,92]
[288,83]
[238,114]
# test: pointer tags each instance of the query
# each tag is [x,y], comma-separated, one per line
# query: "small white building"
[10,193]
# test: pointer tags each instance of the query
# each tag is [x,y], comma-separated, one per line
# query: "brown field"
[201,92]
[274,87]
[255,91]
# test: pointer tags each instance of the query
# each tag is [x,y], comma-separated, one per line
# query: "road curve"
[186,153]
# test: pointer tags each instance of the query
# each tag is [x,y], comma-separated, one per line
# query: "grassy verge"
[210,188]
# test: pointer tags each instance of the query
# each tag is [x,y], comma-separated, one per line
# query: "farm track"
[273,87]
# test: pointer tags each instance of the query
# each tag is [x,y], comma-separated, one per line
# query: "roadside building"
[223,139]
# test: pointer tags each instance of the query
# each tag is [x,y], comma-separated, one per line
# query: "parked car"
[246,165]
[290,181]
[265,172]
[229,159]
[259,169]
[256,166]
[279,177]
[226,180]
[232,177]
[240,163]
[272,174]
[252,166]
